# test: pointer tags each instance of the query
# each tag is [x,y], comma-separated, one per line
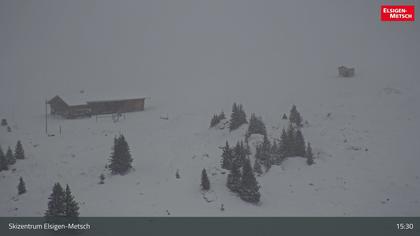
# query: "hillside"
[195,60]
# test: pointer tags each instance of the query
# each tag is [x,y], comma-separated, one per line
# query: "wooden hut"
[116,106]
[59,107]
[345,71]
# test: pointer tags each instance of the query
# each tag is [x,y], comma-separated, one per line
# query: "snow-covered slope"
[194,59]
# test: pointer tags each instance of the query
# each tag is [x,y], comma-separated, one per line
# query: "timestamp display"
[405,226]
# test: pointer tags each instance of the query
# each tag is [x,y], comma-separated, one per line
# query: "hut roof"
[57,100]
[85,98]
[116,100]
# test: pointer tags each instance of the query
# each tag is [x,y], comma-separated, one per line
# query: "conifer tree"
[257,168]
[284,117]
[71,206]
[227,157]
[247,148]
[214,121]
[256,126]
[234,178]
[62,208]
[239,153]
[295,117]
[249,189]
[10,157]
[266,144]
[21,186]
[252,125]
[234,117]
[275,153]
[205,183]
[309,155]
[56,204]
[284,144]
[266,153]
[299,144]
[120,161]
[291,134]
[19,153]
[237,118]
[3,122]
[3,161]
[242,115]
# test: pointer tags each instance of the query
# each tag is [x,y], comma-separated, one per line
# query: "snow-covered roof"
[115,100]
[83,97]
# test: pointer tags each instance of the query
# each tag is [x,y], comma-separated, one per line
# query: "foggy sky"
[48,47]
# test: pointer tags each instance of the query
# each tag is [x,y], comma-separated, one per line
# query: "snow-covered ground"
[257,53]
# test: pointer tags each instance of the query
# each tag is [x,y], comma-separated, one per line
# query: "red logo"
[397,13]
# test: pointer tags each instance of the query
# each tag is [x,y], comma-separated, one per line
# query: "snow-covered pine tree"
[295,117]
[19,153]
[300,147]
[284,144]
[21,186]
[275,153]
[252,125]
[234,178]
[56,204]
[239,153]
[234,117]
[247,148]
[227,157]
[266,153]
[214,121]
[10,157]
[3,161]
[256,126]
[242,115]
[257,168]
[237,117]
[120,161]
[291,140]
[71,206]
[309,155]
[205,183]
[284,117]
[258,159]
[3,122]
[249,189]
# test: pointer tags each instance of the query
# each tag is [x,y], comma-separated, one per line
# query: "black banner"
[215,226]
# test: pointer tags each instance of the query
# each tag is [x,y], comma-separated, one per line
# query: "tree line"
[10,157]
[241,178]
